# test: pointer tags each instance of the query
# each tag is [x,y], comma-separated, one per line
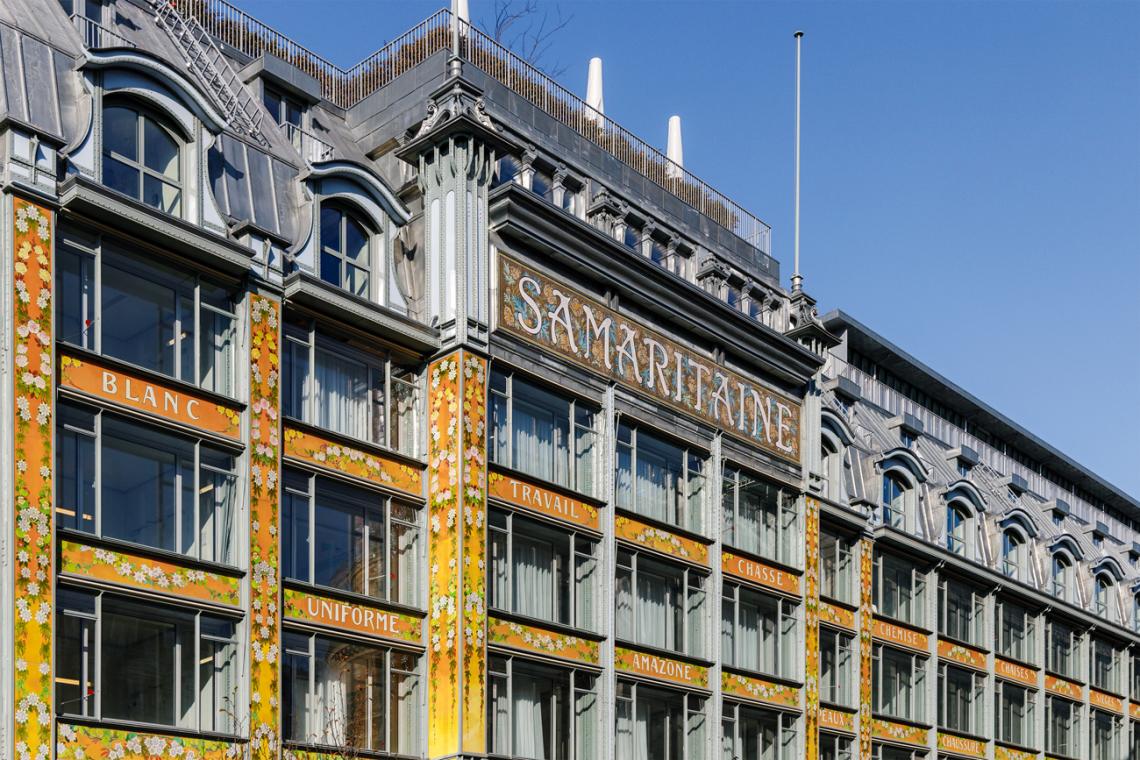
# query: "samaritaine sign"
[543,311]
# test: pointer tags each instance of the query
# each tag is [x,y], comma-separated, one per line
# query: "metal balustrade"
[346,88]
[96,36]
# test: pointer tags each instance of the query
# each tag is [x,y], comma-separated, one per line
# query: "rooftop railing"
[346,88]
[96,36]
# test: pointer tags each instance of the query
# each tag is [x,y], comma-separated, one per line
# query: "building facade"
[420,410]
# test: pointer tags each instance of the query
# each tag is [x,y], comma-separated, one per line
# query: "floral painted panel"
[264,499]
[1009,753]
[661,668]
[381,470]
[811,608]
[754,571]
[32,479]
[1069,689]
[78,742]
[759,690]
[840,617]
[899,732]
[661,541]
[866,621]
[532,638]
[1106,701]
[135,391]
[140,572]
[543,311]
[962,655]
[837,720]
[474,452]
[1134,710]
[1015,672]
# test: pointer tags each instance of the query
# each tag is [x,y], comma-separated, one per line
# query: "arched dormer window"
[1062,576]
[831,465]
[346,259]
[142,156]
[896,498]
[1102,593]
[1012,551]
[958,523]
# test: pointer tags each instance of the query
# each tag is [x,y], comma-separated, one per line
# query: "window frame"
[372,269]
[786,734]
[785,512]
[580,683]
[916,708]
[839,688]
[915,603]
[144,112]
[67,424]
[843,588]
[689,455]
[897,490]
[693,709]
[1004,720]
[972,720]
[502,392]
[960,591]
[786,634]
[178,614]
[373,504]
[1004,634]
[693,583]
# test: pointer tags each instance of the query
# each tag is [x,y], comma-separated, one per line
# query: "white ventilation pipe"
[673,150]
[594,98]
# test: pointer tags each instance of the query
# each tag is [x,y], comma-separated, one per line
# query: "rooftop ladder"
[210,65]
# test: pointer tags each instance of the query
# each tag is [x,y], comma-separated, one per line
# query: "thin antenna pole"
[797,278]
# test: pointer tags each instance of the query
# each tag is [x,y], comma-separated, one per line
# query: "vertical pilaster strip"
[866,601]
[32,480]
[474,552]
[444,444]
[264,483]
[811,623]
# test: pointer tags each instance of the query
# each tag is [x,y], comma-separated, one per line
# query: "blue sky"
[971,170]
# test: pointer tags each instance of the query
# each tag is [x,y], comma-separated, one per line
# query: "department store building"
[419,410]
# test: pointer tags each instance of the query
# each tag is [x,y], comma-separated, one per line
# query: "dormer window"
[894,501]
[1061,572]
[957,521]
[284,109]
[1101,593]
[907,438]
[964,469]
[1011,544]
[142,158]
[345,256]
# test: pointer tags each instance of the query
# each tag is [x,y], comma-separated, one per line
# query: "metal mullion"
[510,702]
[309,539]
[197,506]
[511,420]
[387,410]
[387,548]
[197,720]
[572,581]
[98,506]
[509,561]
[97,681]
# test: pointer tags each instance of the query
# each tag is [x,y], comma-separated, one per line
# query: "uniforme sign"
[543,311]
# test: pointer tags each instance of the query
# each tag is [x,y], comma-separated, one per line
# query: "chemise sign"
[546,312]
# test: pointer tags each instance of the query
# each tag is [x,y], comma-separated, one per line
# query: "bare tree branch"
[529,28]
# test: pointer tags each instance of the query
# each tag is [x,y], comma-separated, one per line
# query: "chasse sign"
[543,311]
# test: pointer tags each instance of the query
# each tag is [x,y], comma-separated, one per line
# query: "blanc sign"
[545,312]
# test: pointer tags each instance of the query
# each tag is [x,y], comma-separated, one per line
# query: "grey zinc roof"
[38,83]
[250,184]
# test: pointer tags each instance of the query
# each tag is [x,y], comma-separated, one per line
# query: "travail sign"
[543,311]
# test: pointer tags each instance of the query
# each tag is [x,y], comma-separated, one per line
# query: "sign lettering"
[543,311]
[1014,672]
[661,667]
[542,500]
[758,572]
[896,634]
[334,613]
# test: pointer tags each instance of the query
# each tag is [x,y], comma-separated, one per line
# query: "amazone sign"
[543,311]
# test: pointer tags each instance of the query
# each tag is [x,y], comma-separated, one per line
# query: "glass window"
[899,589]
[898,686]
[132,482]
[760,517]
[541,571]
[835,486]
[1102,595]
[1011,551]
[540,433]
[167,321]
[362,395]
[284,109]
[836,569]
[141,158]
[831,747]
[345,256]
[348,695]
[659,724]
[749,732]
[1060,575]
[1016,635]
[895,498]
[836,667]
[1104,735]
[957,525]
[660,604]
[961,612]
[659,479]
[146,663]
[1105,666]
[759,632]
[961,695]
[350,538]
[540,712]
[1061,650]
[1061,726]
[1013,714]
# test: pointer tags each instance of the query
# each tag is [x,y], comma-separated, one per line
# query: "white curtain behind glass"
[331,697]
[533,578]
[641,729]
[342,394]
[527,698]
[654,624]
[537,438]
